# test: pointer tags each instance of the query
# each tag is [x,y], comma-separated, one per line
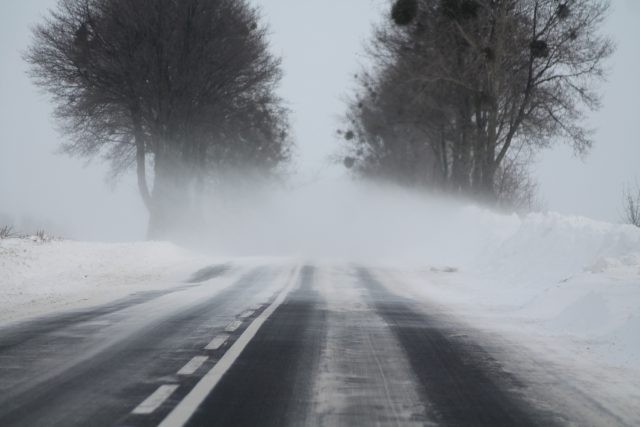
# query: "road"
[275,345]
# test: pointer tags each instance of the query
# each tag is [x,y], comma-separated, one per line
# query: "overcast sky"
[321,45]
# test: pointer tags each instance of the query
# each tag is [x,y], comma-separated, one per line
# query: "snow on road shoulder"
[558,296]
[571,281]
[40,278]
[555,247]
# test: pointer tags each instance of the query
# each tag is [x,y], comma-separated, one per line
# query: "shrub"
[632,206]
[6,232]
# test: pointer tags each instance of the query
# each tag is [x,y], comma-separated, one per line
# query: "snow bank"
[552,246]
[573,280]
[37,278]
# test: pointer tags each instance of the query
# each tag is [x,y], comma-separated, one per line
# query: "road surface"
[265,346]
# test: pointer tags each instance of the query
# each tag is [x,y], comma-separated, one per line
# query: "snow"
[557,275]
[568,276]
[44,277]
[380,383]
[565,288]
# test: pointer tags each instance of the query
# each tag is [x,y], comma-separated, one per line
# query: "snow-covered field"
[44,277]
[564,286]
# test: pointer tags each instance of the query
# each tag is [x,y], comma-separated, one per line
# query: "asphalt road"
[273,348]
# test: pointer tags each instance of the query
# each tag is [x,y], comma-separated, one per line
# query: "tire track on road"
[461,381]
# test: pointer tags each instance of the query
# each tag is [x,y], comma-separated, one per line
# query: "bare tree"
[387,132]
[162,83]
[514,186]
[631,207]
[485,78]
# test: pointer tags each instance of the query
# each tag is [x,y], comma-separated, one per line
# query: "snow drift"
[42,277]
[356,221]
[558,276]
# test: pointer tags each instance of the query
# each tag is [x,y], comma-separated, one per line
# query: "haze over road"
[277,345]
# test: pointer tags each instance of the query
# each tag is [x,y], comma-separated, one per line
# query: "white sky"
[321,44]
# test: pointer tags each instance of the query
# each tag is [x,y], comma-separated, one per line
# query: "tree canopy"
[187,86]
[463,92]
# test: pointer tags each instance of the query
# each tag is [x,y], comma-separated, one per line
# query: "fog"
[320,212]
[339,219]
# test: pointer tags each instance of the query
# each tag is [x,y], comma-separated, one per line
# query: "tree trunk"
[489,167]
[171,197]
[141,159]
[461,168]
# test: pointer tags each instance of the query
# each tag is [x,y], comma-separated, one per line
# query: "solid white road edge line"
[217,342]
[193,365]
[154,401]
[185,409]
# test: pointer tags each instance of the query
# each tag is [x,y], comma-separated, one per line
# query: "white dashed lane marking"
[217,342]
[246,314]
[154,401]
[193,365]
[185,409]
[233,326]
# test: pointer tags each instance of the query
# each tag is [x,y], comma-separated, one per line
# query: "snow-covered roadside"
[42,278]
[567,288]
